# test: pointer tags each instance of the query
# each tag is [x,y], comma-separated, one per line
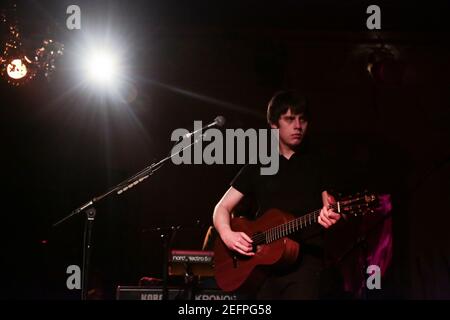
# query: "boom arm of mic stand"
[128,183]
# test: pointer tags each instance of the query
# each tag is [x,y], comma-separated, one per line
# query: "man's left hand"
[327,216]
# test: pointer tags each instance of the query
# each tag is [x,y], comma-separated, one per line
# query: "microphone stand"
[167,236]
[89,223]
[90,211]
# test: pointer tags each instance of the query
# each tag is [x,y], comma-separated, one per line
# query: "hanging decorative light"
[17,66]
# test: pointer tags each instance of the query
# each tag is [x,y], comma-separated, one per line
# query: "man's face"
[292,128]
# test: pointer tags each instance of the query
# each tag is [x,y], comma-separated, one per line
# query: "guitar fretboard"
[289,227]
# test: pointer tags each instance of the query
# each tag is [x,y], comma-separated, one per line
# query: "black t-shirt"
[296,188]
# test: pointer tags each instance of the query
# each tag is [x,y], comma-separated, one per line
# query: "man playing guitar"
[299,186]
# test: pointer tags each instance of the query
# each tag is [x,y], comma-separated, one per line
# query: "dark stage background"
[187,61]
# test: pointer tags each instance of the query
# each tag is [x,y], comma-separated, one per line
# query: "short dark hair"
[282,101]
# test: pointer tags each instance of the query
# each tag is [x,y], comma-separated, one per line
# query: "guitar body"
[237,272]
[274,249]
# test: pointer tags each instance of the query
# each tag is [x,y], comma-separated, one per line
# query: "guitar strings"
[276,232]
[284,229]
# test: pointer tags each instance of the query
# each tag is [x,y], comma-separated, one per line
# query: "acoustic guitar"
[271,244]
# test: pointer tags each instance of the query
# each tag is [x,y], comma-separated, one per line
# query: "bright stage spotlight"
[102,66]
[102,69]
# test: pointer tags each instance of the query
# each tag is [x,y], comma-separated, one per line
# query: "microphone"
[219,121]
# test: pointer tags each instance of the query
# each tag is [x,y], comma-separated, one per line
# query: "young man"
[299,187]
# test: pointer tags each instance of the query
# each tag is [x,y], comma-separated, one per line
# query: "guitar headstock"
[358,204]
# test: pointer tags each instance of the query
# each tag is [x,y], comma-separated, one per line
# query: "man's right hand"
[239,242]
[236,241]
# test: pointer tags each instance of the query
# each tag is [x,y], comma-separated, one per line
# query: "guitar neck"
[290,227]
